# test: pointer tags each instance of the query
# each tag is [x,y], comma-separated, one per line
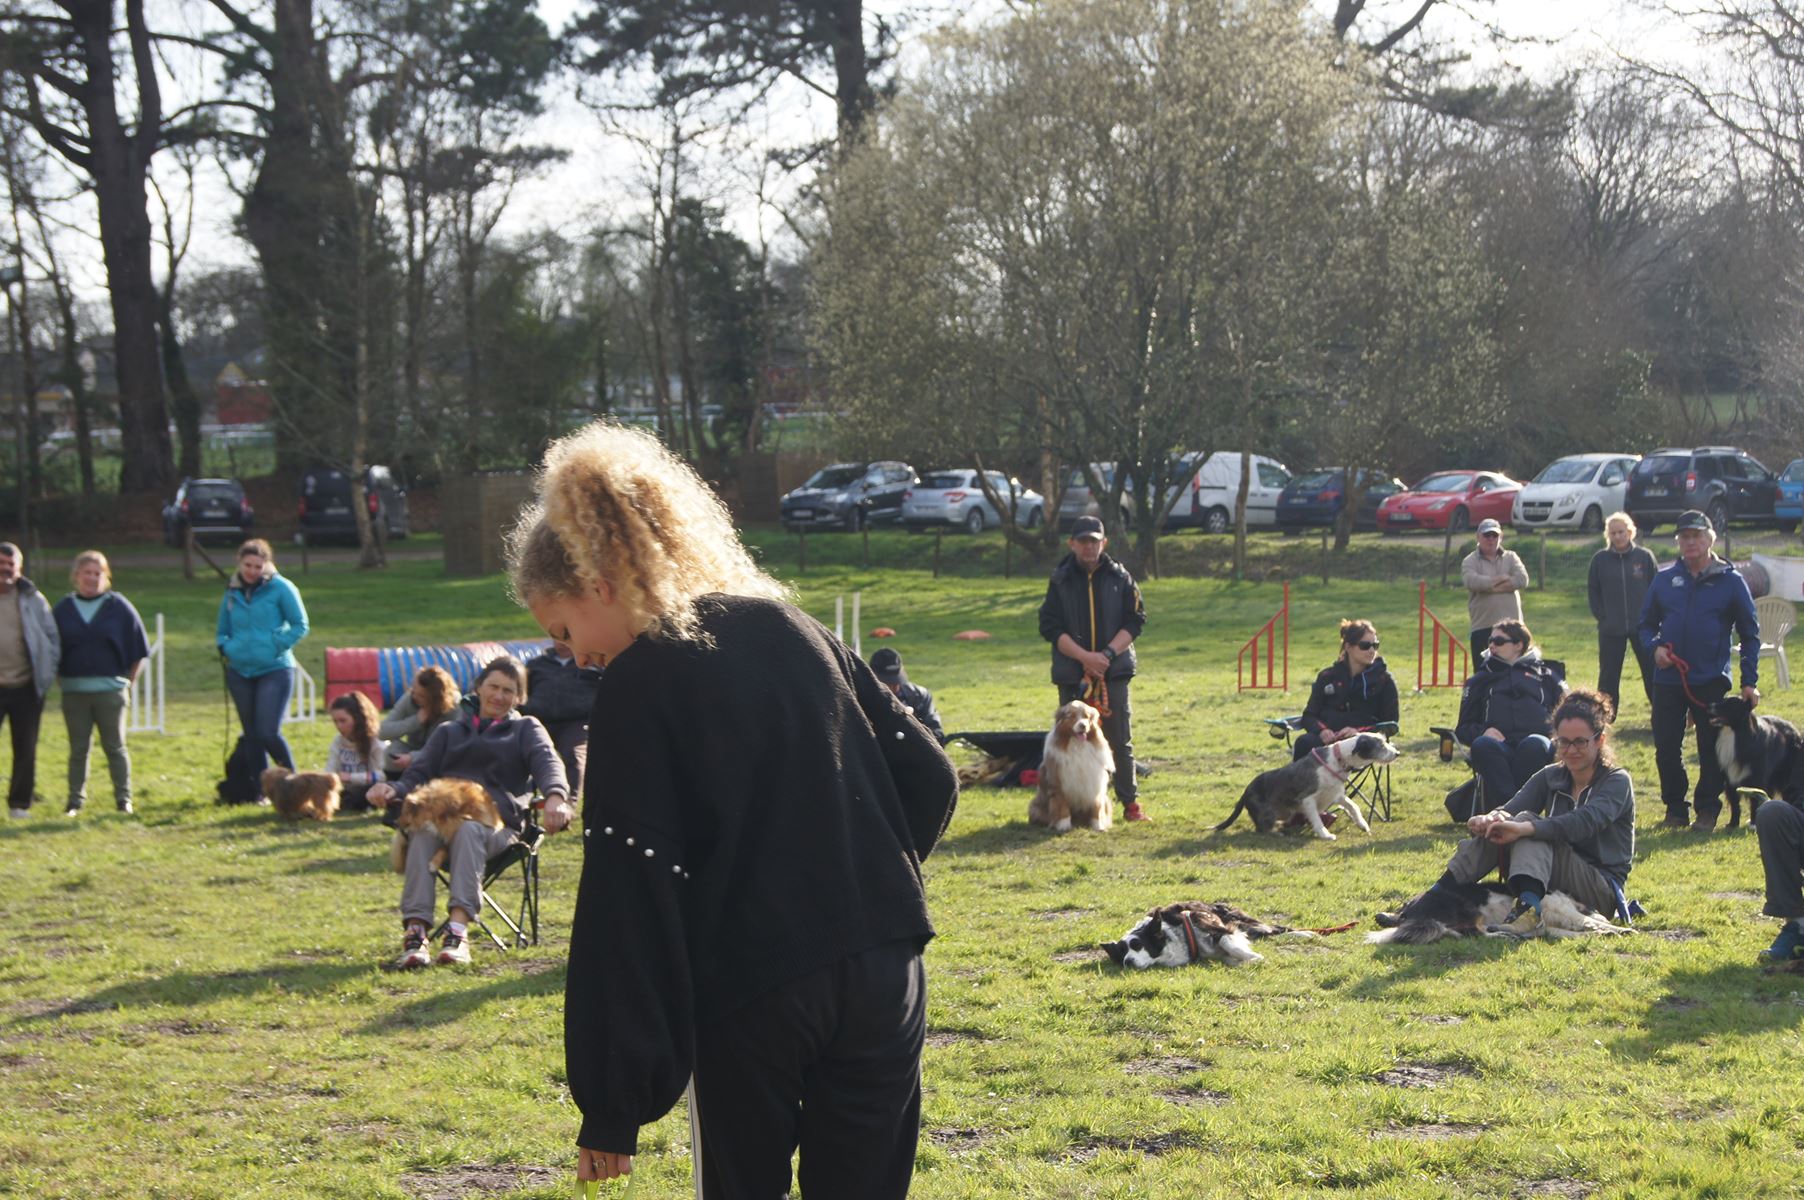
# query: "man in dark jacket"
[886,664]
[560,692]
[1092,614]
[30,649]
[1686,619]
[1617,587]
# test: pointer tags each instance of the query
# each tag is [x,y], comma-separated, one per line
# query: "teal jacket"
[259,626]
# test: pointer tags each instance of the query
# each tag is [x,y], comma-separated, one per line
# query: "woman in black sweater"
[1356,693]
[757,807]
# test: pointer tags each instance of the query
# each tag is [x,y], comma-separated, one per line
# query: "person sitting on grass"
[356,755]
[886,664]
[428,703]
[510,756]
[1781,830]
[1354,694]
[1570,829]
[1503,712]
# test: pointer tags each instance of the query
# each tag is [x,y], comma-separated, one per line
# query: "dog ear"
[1117,951]
[1366,745]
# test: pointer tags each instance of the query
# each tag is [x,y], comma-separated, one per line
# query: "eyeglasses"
[1501,640]
[1371,645]
[1578,743]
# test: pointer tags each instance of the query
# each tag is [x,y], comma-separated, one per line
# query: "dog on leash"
[442,806]
[301,795]
[1471,909]
[1756,751]
[1312,785]
[1075,769]
[1196,931]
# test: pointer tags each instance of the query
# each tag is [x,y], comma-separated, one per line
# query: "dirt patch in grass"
[1086,954]
[1568,1189]
[1677,1004]
[1170,1067]
[11,1061]
[1422,1075]
[184,1028]
[958,1141]
[1152,1145]
[1440,1019]
[1672,935]
[1063,914]
[954,1037]
[51,1009]
[1430,1131]
[456,1183]
[1734,895]
[1195,1097]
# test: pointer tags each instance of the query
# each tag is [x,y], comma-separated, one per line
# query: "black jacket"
[1617,587]
[1339,700]
[1092,608]
[1517,698]
[761,813]
[557,690]
[920,702]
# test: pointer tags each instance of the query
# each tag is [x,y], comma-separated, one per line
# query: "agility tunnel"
[385,673]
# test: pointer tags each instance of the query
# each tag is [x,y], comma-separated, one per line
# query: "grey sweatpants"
[84,713]
[1553,863]
[471,850]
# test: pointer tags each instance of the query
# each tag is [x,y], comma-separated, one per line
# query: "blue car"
[1789,507]
[1315,499]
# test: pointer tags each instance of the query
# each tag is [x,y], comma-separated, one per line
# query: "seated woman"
[1356,693]
[356,755]
[1570,829]
[1503,713]
[510,756]
[430,701]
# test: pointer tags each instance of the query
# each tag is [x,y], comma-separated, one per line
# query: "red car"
[1450,499]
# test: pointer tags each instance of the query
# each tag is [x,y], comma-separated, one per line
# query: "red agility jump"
[1268,636]
[1431,635]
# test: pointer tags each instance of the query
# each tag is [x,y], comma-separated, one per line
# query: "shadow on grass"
[442,1008]
[992,839]
[191,987]
[1727,1001]
[1410,964]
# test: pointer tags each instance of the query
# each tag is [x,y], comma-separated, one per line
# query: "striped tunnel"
[384,674]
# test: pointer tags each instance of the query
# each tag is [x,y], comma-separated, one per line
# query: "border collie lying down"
[1196,931]
[1468,909]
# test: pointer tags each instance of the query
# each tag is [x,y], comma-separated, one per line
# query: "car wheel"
[1592,521]
[1036,516]
[1460,521]
[1718,512]
[974,521]
[1216,520]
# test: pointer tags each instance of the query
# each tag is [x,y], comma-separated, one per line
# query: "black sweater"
[760,810]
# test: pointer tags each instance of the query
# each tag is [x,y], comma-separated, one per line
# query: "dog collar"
[1189,935]
[1332,769]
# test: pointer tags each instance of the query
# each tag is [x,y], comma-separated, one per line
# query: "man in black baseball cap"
[886,664]
[1690,611]
[1092,614]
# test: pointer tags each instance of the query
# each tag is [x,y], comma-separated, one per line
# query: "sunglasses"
[1371,645]
[1500,640]
[1578,743]
[1490,533]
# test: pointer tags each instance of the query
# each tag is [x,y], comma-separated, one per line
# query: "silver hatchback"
[956,498]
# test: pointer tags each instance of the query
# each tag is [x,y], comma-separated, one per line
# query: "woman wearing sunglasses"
[1356,693]
[1505,711]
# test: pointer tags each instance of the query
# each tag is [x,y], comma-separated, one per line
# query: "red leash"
[1096,694]
[1684,669]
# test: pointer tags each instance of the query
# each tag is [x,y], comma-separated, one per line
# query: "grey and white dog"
[1312,785]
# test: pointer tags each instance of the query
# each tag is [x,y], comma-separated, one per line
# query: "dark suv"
[211,508]
[1728,484]
[325,507]
[848,496]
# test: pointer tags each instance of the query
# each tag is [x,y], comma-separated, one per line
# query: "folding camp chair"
[1370,785]
[523,924]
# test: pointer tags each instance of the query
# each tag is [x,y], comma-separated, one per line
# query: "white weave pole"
[857,624]
[839,617]
[695,1137]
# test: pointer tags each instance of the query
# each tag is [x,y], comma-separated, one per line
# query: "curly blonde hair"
[616,505]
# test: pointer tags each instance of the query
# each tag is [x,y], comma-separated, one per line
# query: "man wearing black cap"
[1685,621]
[1091,615]
[886,665]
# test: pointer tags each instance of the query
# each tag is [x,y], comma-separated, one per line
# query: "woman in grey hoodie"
[1620,575]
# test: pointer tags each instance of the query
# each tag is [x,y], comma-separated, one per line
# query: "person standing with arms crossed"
[1686,620]
[1092,614]
[1494,577]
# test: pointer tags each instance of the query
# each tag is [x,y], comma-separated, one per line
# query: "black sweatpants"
[23,709]
[1670,705]
[1611,650]
[1481,644]
[1781,829]
[1117,730]
[830,1063]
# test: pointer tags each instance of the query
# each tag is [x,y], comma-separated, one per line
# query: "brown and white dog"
[1312,785]
[442,806]
[1075,769]
[301,795]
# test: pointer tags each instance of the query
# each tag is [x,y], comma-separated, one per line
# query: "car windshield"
[1076,478]
[946,479]
[1568,470]
[1795,472]
[828,477]
[1663,464]
[1315,480]
[1444,483]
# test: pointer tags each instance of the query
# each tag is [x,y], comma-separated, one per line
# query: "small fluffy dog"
[301,795]
[1757,751]
[442,806]
[1312,785]
[1468,909]
[1075,769]
[1196,931]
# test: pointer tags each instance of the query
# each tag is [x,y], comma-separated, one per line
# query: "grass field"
[192,1003]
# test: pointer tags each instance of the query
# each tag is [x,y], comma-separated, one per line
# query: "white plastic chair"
[1777,616]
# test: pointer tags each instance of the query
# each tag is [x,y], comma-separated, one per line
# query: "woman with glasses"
[1571,829]
[1354,694]
[1504,713]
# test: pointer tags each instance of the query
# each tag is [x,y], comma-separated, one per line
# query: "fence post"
[936,554]
[188,553]
[1324,558]
[304,564]
[1008,555]
[866,531]
[1541,579]
[802,552]
[1446,552]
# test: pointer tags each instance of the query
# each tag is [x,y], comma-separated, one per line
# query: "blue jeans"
[1505,767]
[261,701]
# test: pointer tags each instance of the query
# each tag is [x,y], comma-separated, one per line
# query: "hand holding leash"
[1751,694]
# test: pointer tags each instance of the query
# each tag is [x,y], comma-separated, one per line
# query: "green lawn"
[192,1003]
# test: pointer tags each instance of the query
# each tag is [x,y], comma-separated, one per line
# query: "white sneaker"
[413,950]
[19,814]
[453,950]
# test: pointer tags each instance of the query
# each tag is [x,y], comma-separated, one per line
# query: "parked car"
[848,496]
[1727,483]
[1215,489]
[1078,501]
[1455,500]
[1317,499]
[956,498]
[1577,491]
[1789,507]
[325,503]
[210,507]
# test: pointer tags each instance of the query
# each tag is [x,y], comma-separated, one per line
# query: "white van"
[1216,485]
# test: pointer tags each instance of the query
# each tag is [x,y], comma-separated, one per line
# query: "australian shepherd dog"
[301,795]
[1075,769]
[441,806]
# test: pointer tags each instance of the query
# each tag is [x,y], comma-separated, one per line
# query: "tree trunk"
[183,401]
[851,70]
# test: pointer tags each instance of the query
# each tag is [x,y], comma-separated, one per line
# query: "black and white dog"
[1313,785]
[1757,751]
[1470,909]
[1192,931]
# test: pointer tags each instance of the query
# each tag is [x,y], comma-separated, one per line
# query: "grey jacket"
[1618,585]
[1599,825]
[1479,574]
[43,644]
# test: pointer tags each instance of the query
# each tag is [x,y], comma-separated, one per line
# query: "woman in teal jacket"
[260,620]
